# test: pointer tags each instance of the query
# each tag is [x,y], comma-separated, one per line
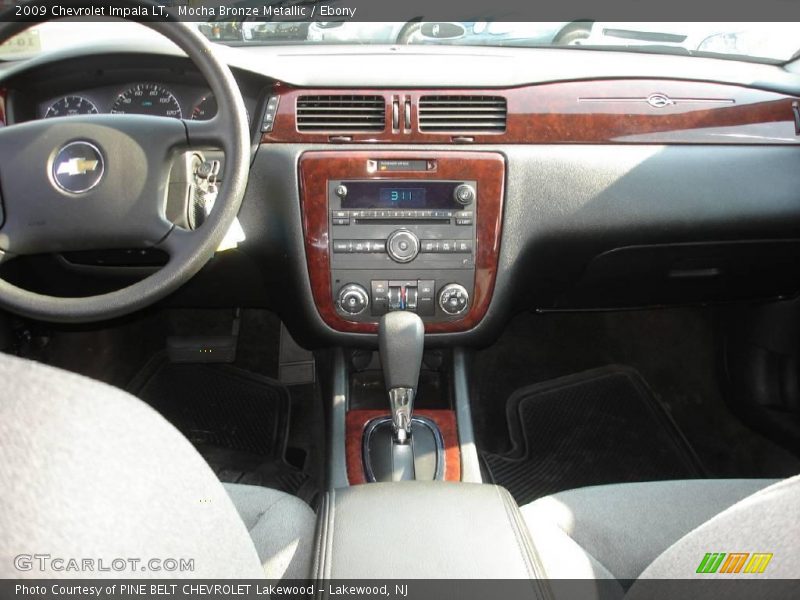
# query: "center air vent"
[473,114]
[341,113]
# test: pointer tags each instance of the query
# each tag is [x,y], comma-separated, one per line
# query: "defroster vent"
[341,113]
[462,114]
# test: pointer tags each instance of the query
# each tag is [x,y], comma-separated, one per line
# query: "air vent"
[473,114]
[341,113]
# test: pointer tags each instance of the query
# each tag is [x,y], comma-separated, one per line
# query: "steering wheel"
[99,182]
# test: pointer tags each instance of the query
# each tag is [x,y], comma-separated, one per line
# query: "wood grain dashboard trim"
[356,420]
[317,167]
[585,112]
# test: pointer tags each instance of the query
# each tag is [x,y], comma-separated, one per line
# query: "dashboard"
[648,181]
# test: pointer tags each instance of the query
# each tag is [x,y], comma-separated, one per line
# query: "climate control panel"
[422,296]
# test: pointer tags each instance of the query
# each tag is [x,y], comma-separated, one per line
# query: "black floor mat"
[236,419]
[601,426]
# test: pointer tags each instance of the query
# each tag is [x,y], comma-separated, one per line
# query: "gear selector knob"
[401,339]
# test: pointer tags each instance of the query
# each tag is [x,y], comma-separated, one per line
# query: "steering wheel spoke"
[178,242]
[212,132]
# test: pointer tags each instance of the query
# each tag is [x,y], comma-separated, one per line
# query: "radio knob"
[402,246]
[464,194]
[341,190]
[353,299]
[453,299]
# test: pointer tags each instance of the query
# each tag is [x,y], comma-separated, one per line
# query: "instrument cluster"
[146,98]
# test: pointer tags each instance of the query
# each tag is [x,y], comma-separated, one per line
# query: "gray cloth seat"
[628,533]
[90,472]
[281,526]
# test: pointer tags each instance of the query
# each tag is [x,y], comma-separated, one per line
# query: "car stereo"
[402,245]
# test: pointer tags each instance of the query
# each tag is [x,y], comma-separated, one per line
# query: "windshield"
[771,42]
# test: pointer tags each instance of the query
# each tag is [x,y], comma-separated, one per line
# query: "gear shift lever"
[391,450]
[401,338]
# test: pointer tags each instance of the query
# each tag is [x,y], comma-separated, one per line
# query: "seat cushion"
[281,527]
[618,530]
[765,523]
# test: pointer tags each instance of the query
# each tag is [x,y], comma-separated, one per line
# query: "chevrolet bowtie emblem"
[76,166]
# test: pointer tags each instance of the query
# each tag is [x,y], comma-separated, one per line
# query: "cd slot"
[406,221]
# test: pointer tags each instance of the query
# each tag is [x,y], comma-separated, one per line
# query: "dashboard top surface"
[446,66]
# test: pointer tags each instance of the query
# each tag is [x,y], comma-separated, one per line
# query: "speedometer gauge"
[69,106]
[147,99]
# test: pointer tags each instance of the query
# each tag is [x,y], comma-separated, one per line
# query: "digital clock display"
[405,197]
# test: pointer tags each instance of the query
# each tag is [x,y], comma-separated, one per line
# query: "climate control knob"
[402,246]
[453,299]
[353,299]
[464,194]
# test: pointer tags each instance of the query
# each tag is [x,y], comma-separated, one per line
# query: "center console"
[415,530]
[388,231]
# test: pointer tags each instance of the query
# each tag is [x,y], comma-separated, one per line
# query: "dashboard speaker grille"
[473,114]
[341,113]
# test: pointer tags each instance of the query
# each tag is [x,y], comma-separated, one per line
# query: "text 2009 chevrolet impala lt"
[323,301]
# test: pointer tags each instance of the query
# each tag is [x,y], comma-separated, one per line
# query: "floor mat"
[236,419]
[601,426]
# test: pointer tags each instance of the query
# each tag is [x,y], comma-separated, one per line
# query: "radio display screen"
[407,197]
[400,194]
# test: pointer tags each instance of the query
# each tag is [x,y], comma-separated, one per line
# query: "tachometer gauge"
[147,99]
[69,106]
[207,108]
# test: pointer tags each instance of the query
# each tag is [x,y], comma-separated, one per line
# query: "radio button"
[429,246]
[402,246]
[337,221]
[464,194]
[340,214]
[463,221]
[464,246]
[342,246]
[447,246]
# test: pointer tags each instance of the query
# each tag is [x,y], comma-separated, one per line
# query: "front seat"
[97,484]
[625,535]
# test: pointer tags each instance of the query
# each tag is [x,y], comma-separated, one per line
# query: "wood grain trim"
[316,168]
[616,112]
[356,420]
[2,107]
